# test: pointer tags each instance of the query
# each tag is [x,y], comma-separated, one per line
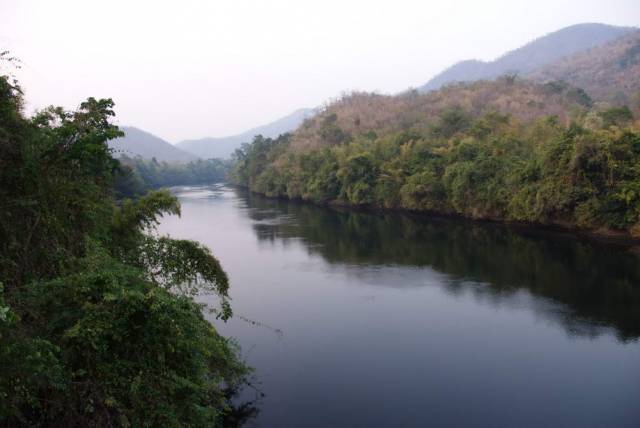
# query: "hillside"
[507,149]
[610,72]
[137,142]
[377,115]
[536,54]
[223,147]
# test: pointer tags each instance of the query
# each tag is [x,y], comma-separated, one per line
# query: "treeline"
[136,175]
[585,174]
[98,326]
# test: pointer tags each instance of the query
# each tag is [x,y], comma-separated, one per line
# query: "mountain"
[137,142]
[610,72]
[371,115]
[223,147]
[536,54]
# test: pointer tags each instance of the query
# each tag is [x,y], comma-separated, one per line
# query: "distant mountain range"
[603,60]
[137,142]
[223,147]
[532,56]
[602,67]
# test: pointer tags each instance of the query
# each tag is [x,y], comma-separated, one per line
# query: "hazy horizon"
[197,69]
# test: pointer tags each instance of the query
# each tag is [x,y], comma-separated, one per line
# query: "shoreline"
[603,236]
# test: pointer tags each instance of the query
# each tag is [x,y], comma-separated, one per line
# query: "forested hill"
[509,149]
[532,56]
[136,142]
[136,176]
[375,115]
[610,72]
[223,147]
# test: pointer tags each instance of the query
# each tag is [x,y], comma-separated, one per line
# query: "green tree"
[98,326]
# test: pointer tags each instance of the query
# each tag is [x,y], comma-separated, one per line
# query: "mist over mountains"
[137,142]
[534,55]
[603,60]
[223,147]
[608,73]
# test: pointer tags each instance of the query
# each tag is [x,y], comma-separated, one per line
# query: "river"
[391,320]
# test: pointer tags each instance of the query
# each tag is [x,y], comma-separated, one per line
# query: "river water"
[391,320]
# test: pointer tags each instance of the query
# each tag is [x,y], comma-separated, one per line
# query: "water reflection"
[241,412]
[584,286]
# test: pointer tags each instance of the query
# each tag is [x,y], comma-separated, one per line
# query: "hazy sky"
[188,69]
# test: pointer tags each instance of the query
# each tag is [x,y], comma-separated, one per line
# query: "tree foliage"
[135,176]
[98,326]
[584,174]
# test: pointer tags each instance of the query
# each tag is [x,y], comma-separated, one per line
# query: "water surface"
[390,320]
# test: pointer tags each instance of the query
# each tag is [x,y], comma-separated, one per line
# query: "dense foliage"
[98,326]
[582,173]
[136,175]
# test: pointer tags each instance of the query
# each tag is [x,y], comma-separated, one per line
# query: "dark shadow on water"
[583,285]
[241,411]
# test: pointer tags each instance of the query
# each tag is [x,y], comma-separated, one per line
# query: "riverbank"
[603,235]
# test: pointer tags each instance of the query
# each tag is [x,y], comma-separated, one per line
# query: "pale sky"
[190,69]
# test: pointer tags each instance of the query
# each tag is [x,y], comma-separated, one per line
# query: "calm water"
[387,320]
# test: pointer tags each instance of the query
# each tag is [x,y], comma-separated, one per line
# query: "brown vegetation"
[362,113]
[608,73]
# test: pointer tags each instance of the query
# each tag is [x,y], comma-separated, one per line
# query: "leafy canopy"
[98,326]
